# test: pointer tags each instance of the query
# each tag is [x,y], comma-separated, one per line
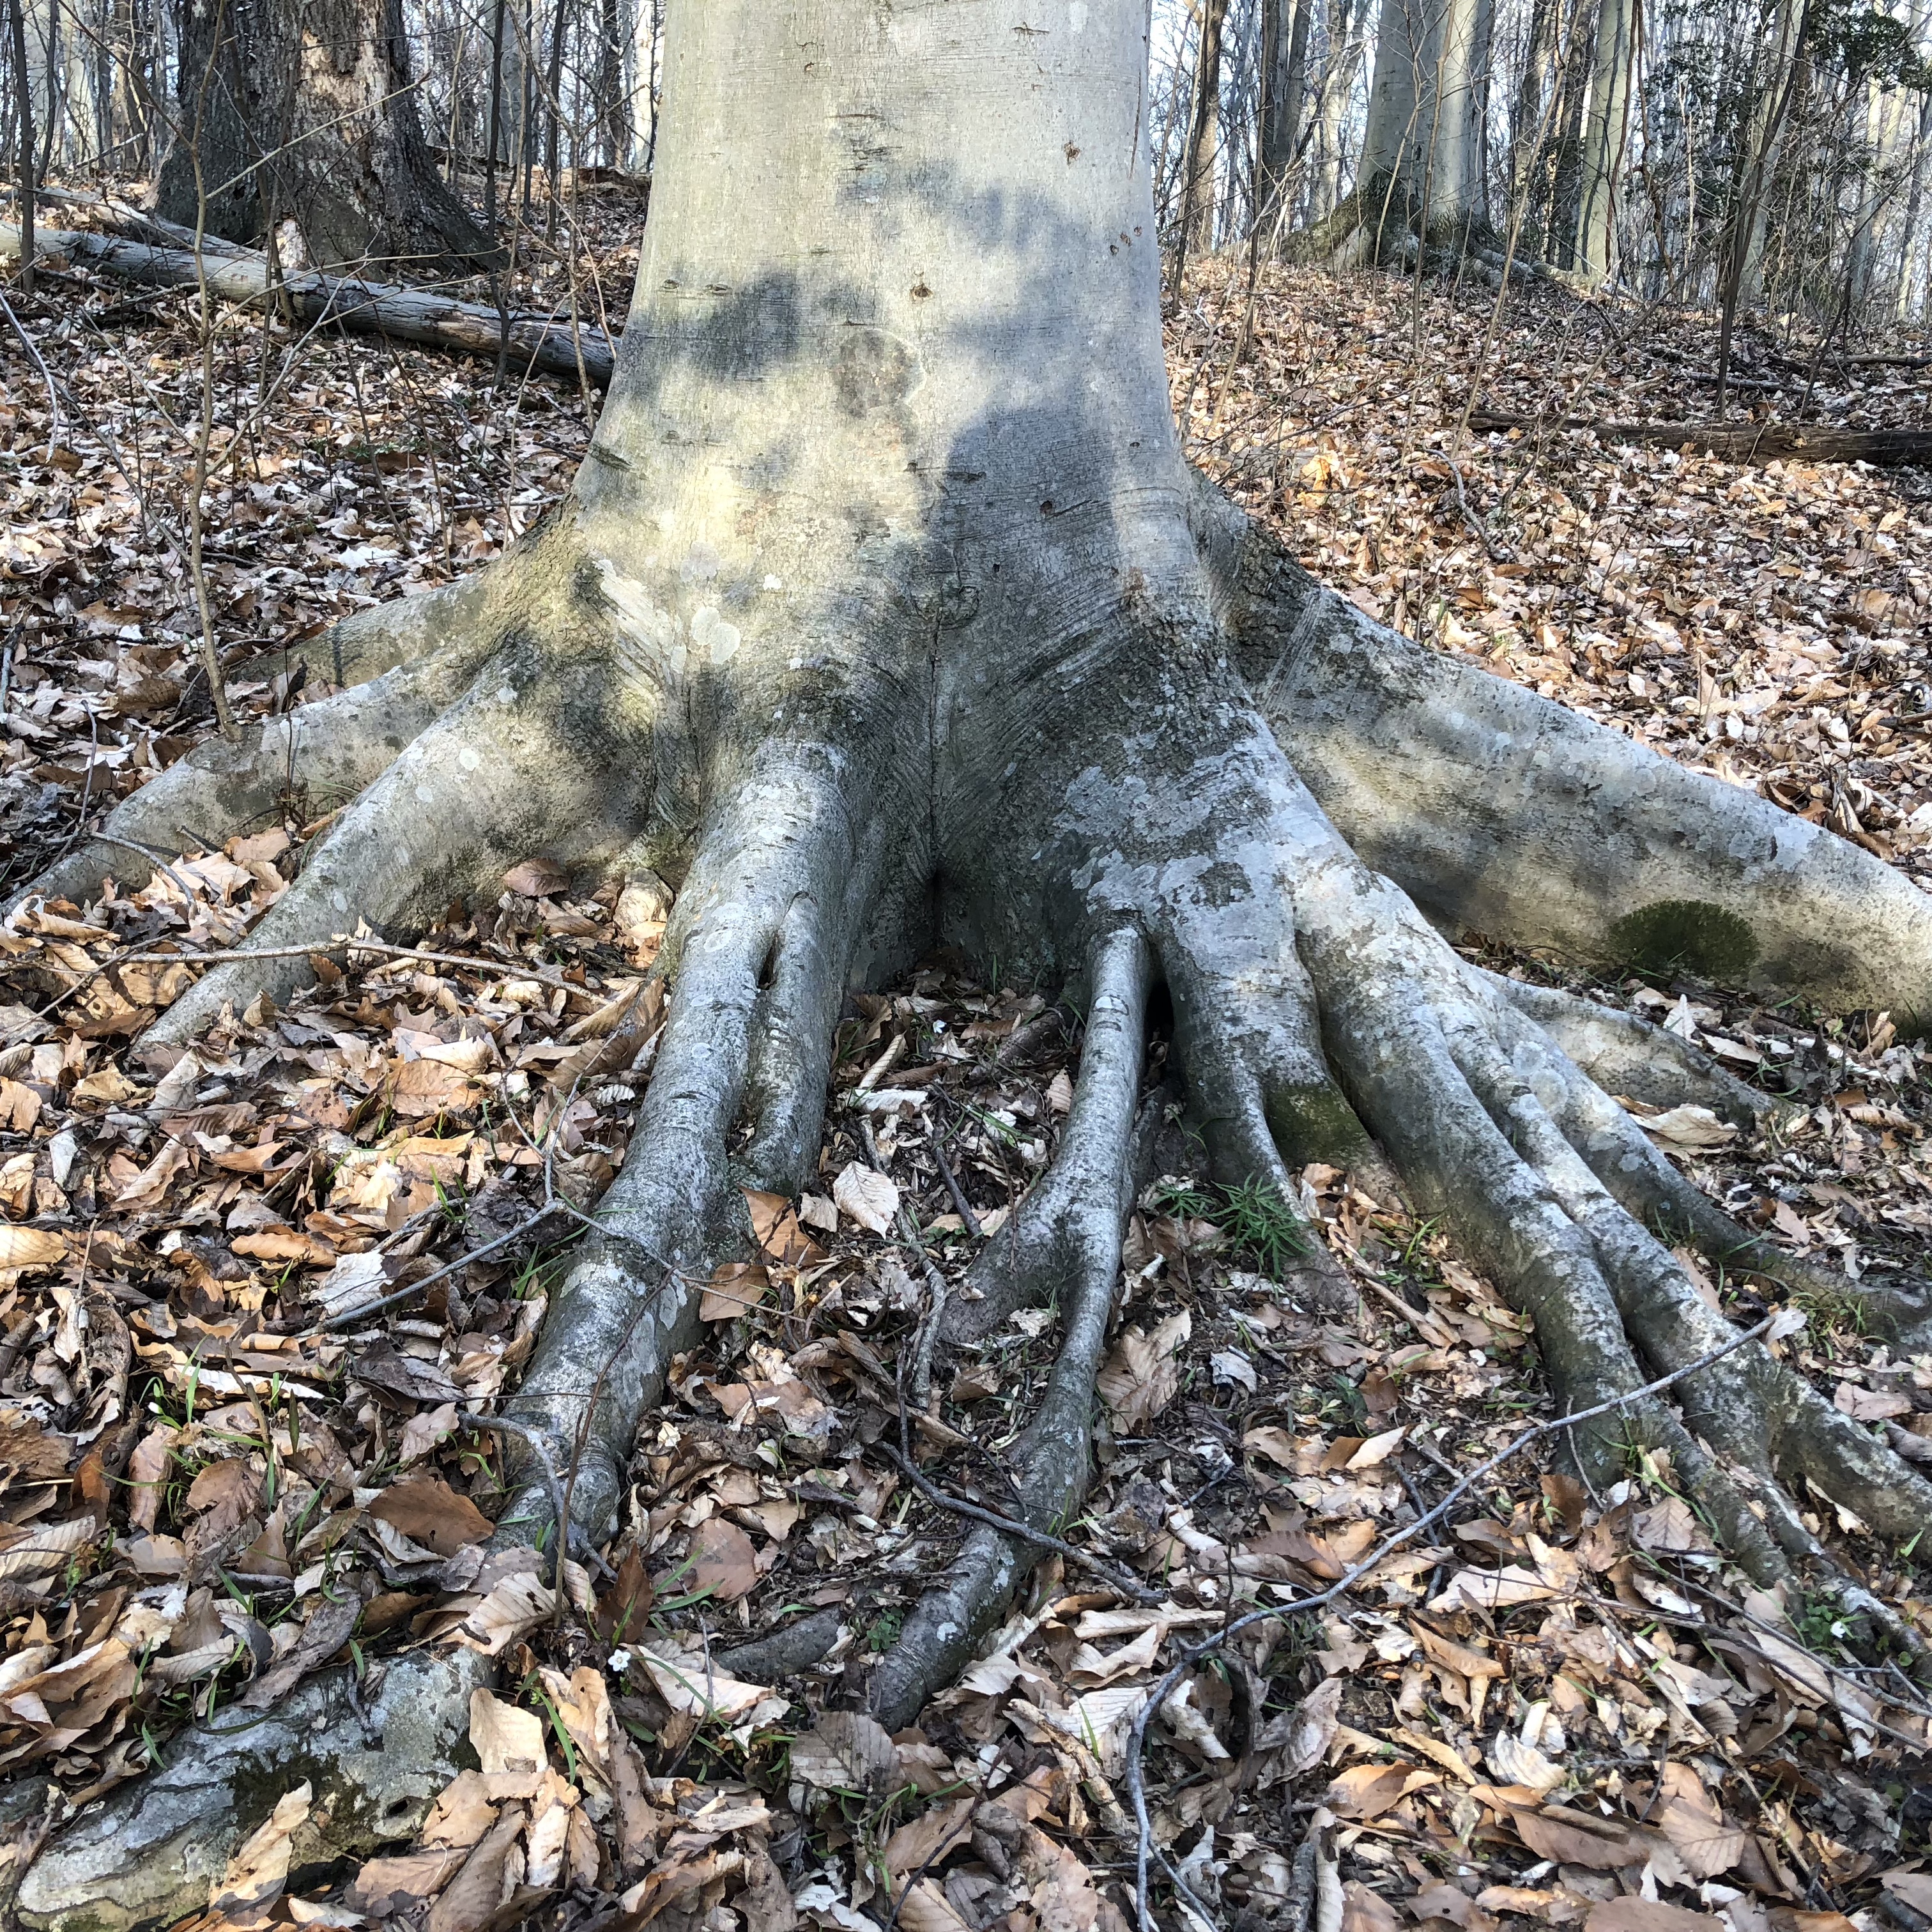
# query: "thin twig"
[532,1441]
[1116,1578]
[32,348]
[157,859]
[959,1201]
[341,942]
[937,1287]
[351,1318]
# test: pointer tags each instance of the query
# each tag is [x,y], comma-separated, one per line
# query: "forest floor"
[1551,1707]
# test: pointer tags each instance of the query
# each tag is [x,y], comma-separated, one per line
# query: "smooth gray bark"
[1427,105]
[1605,126]
[1201,161]
[1284,33]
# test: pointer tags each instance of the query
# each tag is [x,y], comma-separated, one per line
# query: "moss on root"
[1685,935]
[1315,1123]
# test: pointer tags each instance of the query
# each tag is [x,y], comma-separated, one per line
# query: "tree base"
[550,707]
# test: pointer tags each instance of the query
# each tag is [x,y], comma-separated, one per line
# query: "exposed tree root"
[401,664]
[375,1757]
[779,876]
[1650,1188]
[1467,1092]
[1069,1252]
[1507,815]
[1620,1054]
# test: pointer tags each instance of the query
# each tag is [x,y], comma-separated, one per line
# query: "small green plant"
[1264,1230]
[1826,1308]
[885,1631]
[1819,1622]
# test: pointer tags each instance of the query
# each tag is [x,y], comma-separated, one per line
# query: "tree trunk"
[1603,134]
[1284,30]
[306,109]
[1921,161]
[641,75]
[612,29]
[1526,112]
[1742,272]
[1200,158]
[1344,55]
[885,615]
[23,112]
[1563,201]
[1423,154]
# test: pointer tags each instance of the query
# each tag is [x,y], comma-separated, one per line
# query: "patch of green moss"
[1314,1123]
[1685,936]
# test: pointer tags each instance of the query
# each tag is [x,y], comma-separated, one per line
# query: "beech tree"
[1423,155]
[886,612]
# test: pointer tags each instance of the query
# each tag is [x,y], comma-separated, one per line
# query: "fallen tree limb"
[373,308]
[1742,442]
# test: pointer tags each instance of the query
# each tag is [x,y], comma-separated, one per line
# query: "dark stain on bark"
[874,370]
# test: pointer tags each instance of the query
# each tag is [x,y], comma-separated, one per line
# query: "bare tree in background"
[306,110]
[1201,159]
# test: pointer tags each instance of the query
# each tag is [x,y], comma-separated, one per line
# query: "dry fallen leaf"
[1366,1791]
[1870,1405]
[474,1896]
[1691,1819]
[1687,1126]
[259,1867]
[504,1738]
[385,1887]
[1573,1839]
[691,1687]
[866,1196]
[1669,1526]
[1648,1915]
[1363,1910]
[30,1247]
[1515,1762]
[723,1561]
[923,1907]
[429,1512]
[922,1843]
[847,1751]
[1142,1376]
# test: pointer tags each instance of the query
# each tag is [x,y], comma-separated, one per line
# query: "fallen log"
[371,308]
[1742,442]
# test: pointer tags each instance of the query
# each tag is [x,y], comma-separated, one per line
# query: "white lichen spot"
[773,583]
[506,694]
[657,650]
[339,899]
[1076,16]
[716,640]
[469,757]
[425,795]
